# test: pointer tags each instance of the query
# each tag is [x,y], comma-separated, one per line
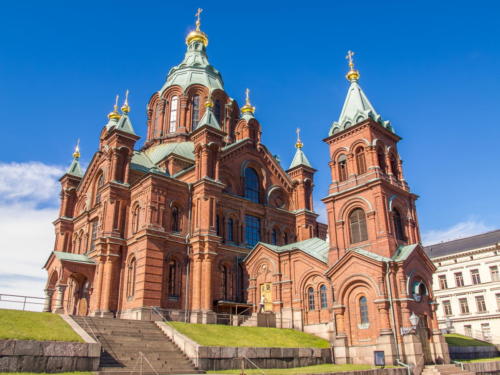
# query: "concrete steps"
[445,370]
[122,342]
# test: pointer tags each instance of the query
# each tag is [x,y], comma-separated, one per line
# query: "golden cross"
[247,95]
[197,15]
[349,56]
[126,98]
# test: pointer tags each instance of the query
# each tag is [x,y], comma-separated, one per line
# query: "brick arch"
[353,280]
[358,333]
[341,150]
[355,202]
[304,281]
[261,173]
[271,264]
[359,142]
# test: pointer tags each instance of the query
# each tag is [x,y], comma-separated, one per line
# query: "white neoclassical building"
[467,285]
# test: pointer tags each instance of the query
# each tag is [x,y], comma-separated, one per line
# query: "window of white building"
[459,279]
[447,308]
[481,305]
[464,306]
[443,283]
[494,273]
[476,279]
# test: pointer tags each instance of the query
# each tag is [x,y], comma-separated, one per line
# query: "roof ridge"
[461,239]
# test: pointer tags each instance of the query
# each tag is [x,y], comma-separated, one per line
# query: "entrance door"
[423,335]
[265,294]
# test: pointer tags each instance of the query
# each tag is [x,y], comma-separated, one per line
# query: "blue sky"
[431,68]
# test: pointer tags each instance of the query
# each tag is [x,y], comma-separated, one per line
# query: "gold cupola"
[114,115]
[352,74]
[299,143]
[76,153]
[125,107]
[247,108]
[197,34]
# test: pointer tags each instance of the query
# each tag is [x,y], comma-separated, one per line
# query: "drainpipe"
[391,307]
[188,236]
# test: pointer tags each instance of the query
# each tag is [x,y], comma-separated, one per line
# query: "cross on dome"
[352,74]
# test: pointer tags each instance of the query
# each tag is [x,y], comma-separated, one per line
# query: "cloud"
[320,209]
[462,229]
[29,196]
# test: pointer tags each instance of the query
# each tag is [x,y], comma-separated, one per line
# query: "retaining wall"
[472,352]
[483,368]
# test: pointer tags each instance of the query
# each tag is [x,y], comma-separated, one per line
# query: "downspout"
[391,307]
[188,236]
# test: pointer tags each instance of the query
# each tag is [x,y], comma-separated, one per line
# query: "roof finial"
[76,153]
[299,143]
[125,107]
[352,74]
[247,108]
[114,114]
[197,34]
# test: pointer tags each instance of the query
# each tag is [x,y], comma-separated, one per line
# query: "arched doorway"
[78,295]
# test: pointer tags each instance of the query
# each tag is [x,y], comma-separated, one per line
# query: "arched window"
[285,238]
[252,230]
[342,162]
[230,230]
[218,112]
[398,225]
[174,104]
[363,310]
[310,298]
[131,278]
[274,237]
[252,185]
[224,280]
[175,220]
[381,159]
[357,226]
[217,225]
[323,298]
[394,167]
[135,219]
[99,185]
[195,114]
[172,278]
[93,234]
[360,160]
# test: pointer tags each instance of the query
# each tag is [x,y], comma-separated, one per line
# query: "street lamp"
[449,325]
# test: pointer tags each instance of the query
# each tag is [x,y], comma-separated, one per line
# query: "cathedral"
[203,219]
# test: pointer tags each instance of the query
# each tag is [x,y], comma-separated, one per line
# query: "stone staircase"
[445,370]
[122,342]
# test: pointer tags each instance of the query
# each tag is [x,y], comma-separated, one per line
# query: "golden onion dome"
[247,108]
[114,113]
[197,35]
[352,74]
[125,107]
[76,153]
[299,143]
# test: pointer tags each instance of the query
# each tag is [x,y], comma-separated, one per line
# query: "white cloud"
[462,229]
[320,209]
[29,195]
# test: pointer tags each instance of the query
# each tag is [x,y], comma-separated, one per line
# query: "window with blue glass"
[251,185]
[252,230]
[230,229]
[274,237]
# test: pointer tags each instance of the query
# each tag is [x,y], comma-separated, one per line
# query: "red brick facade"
[172,225]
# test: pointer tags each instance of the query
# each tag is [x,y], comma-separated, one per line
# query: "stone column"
[59,309]
[207,283]
[47,307]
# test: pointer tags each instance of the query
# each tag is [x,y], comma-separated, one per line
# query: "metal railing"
[18,300]
[243,359]
[408,367]
[140,364]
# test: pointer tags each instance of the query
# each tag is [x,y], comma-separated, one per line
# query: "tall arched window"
[172,278]
[363,310]
[398,225]
[230,230]
[195,114]
[360,160]
[251,185]
[218,112]
[322,296]
[135,219]
[357,226]
[285,238]
[131,278]
[218,225]
[274,237]
[175,219]
[174,104]
[310,298]
[342,162]
[224,285]
[381,159]
[99,185]
[394,167]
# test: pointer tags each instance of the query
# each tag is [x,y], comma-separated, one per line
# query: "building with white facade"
[467,285]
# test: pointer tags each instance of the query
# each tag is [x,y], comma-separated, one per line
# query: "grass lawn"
[221,335]
[492,359]
[45,373]
[454,339]
[300,370]
[28,325]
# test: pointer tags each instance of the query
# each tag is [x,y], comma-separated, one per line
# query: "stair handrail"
[408,367]
[111,351]
[461,364]
[92,331]
[139,360]
[253,363]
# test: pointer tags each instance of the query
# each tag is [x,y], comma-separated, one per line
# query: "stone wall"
[472,352]
[483,368]
[48,356]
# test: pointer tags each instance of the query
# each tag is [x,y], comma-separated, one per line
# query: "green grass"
[221,335]
[492,359]
[45,373]
[318,369]
[28,325]
[454,339]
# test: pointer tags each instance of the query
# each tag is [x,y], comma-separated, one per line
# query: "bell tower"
[369,204]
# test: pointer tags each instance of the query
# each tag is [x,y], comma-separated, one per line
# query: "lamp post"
[449,325]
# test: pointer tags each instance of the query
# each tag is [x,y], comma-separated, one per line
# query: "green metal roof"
[403,252]
[316,247]
[75,169]
[147,160]
[357,108]
[209,119]
[369,254]
[194,69]
[70,257]
[300,159]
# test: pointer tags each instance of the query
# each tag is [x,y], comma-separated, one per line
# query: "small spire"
[197,34]
[247,108]
[125,107]
[114,114]
[352,74]
[76,153]
[299,143]
[209,103]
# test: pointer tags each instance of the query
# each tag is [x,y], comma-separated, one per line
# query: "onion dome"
[197,34]
[114,115]
[125,107]
[352,74]
[247,108]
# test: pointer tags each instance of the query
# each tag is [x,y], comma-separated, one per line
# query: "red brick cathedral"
[204,219]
